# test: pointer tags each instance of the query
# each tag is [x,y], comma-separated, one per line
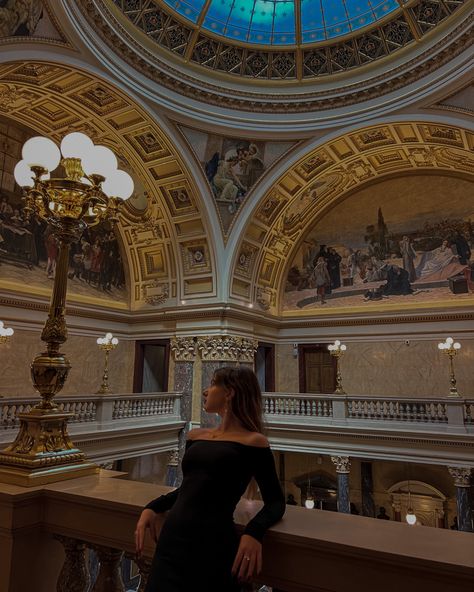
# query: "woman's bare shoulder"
[197,433]
[257,439]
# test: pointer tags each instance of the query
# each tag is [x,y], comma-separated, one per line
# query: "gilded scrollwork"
[184,348]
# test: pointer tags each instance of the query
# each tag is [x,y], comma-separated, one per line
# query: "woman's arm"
[164,502]
[273,499]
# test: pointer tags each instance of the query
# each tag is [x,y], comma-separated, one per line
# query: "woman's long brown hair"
[246,404]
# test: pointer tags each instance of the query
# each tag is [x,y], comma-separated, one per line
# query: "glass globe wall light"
[337,349]
[451,349]
[5,333]
[71,187]
[106,344]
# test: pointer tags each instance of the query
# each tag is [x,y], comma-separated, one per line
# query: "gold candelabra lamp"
[86,188]
[5,333]
[337,349]
[451,348]
[106,344]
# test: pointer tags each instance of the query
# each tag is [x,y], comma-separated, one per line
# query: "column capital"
[184,349]
[342,463]
[226,348]
[173,458]
[461,476]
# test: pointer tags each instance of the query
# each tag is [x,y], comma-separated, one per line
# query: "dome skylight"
[283,22]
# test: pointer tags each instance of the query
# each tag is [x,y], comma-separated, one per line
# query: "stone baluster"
[397,511]
[74,575]
[342,464]
[144,566]
[462,482]
[109,578]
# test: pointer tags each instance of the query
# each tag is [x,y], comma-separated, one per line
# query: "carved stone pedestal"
[43,452]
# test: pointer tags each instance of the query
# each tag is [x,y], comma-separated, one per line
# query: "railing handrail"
[85,398]
[373,398]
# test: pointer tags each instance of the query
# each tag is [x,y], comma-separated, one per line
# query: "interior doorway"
[317,369]
[151,366]
[265,367]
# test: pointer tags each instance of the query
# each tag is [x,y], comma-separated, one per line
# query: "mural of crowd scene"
[401,241]
[25,18]
[232,166]
[28,249]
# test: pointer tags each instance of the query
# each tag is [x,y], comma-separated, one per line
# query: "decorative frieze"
[342,463]
[227,348]
[461,476]
[183,349]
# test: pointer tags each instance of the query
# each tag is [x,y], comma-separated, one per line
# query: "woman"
[198,546]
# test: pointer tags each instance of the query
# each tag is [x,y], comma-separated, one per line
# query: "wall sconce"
[5,333]
[106,344]
[337,349]
[295,350]
[451,348]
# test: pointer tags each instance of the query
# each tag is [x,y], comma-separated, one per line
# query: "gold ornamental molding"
[227,348]
[135,40]
[461,476]
[322,179]
[53,99]
[184,349]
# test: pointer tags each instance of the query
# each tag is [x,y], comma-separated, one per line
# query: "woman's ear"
[231,393]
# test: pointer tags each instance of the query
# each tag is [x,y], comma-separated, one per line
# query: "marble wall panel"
[87,362]
[389,368]
[150,468]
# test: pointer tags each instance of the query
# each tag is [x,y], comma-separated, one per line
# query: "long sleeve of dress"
[273,499]
[164,502]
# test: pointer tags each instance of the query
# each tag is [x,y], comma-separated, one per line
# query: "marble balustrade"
[49,528]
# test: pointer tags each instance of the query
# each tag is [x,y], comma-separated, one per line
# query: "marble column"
[462,482]
[342,464]
[222,350]
[184,351]
[367,489]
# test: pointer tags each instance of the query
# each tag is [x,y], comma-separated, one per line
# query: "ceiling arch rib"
[315,183]
[169,247]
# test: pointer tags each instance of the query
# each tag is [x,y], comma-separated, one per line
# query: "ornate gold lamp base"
[43,452]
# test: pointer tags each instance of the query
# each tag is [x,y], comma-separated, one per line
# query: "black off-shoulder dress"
[198,542]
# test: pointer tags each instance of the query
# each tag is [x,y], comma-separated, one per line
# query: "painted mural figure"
[320,279]
[408,256]
[434,264]
[19,17]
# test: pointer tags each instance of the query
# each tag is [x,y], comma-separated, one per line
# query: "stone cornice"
[229,312]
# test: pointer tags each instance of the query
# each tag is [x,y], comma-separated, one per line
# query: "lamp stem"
[339,388]
[453,391]
[55,331]
[104,387]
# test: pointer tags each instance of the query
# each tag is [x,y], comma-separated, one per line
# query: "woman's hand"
[248,561]
[152,521]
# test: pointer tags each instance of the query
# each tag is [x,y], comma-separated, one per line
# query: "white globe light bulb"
[457,345]
[449,340]
[119,184]
[114,341]
[108,336]
[2,324]
[410,517]
[76,145]
[40,151]
[99,340]
[23,174]
[337,342]
[343,347]
[441,345]
[309,503]
[100,161]
[9,332]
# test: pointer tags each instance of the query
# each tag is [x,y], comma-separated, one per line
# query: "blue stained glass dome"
[283,22]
